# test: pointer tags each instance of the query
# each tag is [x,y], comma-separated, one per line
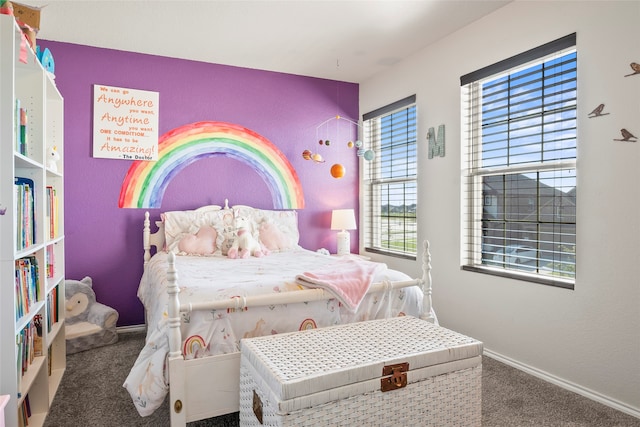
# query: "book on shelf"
[52,308]
[19,350]
[37,338]
[27,286]
[52,211]
[25,212]
[21,121]
[20,309]
[16,126]
[22,353]
[29,345]
[24,413]
[23,131]
[50,258]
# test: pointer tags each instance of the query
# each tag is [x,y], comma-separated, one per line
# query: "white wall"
[587,339]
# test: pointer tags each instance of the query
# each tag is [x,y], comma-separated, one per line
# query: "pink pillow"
[202,243]
[274,239]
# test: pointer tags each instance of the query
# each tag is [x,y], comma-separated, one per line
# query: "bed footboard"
[427,303]
[203,388]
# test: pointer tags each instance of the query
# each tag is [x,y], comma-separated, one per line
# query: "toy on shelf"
[52,158]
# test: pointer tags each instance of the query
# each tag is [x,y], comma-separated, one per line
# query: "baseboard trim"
[567,385]
[132,328]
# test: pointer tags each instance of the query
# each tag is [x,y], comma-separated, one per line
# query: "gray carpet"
[91,394]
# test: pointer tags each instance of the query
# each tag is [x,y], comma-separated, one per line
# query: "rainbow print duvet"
[207,333]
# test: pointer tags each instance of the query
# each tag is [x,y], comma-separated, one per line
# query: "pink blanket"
[348,280]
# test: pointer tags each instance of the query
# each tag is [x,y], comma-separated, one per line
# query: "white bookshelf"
[24,80]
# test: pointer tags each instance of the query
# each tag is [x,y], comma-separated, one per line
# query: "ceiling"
[338,40]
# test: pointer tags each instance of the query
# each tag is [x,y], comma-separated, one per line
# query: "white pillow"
[178,224]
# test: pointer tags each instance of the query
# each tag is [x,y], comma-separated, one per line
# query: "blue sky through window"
[529,116]
[398,155]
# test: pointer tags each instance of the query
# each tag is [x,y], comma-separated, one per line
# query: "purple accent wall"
[105,242]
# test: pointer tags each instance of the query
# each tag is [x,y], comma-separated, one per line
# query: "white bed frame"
[210,386]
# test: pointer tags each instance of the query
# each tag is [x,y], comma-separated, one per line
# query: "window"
[519,172]
[389,179]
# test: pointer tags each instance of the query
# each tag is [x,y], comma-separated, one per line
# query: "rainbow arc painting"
[145,182]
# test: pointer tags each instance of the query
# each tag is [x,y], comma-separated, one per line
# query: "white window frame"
[476,254]
[377,234]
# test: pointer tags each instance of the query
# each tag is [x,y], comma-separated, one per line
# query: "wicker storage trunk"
[336,376]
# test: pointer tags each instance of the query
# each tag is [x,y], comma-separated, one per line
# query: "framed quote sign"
[125,123]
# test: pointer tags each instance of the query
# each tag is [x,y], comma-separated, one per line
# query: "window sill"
[533,278]
[392,254]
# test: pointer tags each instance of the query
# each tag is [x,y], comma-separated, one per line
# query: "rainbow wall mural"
[145,182]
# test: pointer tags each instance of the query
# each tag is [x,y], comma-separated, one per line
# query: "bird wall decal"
[627,136]
[597,112]
[635,67]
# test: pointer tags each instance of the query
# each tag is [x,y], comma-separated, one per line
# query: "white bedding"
[219,331]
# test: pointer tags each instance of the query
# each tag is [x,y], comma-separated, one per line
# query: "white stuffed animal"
[52,158]
[245,244]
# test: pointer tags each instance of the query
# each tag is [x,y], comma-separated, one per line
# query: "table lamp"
[343,220]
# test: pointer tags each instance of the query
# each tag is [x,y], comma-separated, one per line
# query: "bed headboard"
[149,239]
[153,242]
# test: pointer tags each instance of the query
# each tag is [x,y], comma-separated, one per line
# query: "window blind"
[389,179]
[520,134]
